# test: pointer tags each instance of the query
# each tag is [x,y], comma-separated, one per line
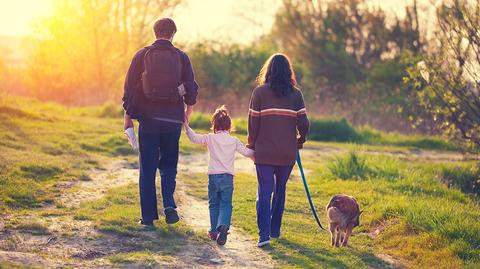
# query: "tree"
[448,79]
[80,54]
[338,40]
[355,59]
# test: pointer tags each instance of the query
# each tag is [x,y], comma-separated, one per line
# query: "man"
[152,95]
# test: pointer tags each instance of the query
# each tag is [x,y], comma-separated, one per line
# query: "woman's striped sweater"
[277,126]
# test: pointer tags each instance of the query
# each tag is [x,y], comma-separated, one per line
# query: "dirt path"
[241,250]
[76,243]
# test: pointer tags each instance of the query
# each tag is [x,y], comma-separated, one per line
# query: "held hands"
[188,113]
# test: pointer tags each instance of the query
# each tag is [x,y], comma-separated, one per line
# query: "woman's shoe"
[222,237]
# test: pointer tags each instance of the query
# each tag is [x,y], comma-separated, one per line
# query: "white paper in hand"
[132,138]
[181,90]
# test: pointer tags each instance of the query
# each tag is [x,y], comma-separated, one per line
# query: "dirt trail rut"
[78,244]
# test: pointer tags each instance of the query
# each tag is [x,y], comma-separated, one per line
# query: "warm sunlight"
[240,134]
[16,17]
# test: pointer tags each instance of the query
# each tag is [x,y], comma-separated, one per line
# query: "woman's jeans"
[271,179]
[220,190]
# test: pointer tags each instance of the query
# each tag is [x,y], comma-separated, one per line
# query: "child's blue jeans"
[220,190]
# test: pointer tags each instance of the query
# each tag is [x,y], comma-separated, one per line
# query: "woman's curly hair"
[279,73]
[221,120]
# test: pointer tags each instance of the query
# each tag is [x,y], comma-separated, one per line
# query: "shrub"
[111,110]
[332,130]
[240,125]
[200,121]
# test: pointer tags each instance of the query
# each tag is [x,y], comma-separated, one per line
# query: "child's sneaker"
[222,237]
[213,236]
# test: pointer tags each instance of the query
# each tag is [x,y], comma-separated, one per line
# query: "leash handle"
[299,162]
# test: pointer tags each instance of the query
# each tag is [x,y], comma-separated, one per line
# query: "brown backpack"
[162,74]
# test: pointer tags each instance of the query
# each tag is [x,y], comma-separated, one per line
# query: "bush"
[111,110]
[200,121]
[240,125]
[332,130]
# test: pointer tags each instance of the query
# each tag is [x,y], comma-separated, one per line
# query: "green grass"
[118,212]
[34,228]
[11,265]
[42,144]
[465,177]
[429,226]
[360,167]
[424,210]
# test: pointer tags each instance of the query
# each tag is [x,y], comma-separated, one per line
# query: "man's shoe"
[171,216]
[146,224]
[222,237]
[264,243]
[274,236]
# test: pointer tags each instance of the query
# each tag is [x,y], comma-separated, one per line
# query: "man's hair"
[221,120]
[164,28]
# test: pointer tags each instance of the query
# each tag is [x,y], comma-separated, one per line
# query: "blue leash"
[299,162]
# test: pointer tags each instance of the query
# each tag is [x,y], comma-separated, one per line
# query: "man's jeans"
[220,190]
[271,179]
[157,151]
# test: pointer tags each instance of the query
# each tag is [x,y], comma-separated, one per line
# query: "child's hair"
[221,120]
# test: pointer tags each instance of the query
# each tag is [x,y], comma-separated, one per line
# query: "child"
[221,147]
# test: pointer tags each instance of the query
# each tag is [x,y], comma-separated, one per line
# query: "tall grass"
[464,177]
[361,167]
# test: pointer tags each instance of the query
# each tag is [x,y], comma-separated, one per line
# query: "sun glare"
[16,17]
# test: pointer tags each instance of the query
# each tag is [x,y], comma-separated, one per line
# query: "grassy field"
[417,213]
[408,214]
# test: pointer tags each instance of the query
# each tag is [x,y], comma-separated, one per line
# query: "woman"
[277,127]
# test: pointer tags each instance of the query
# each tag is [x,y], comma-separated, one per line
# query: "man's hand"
[188,112]
[127,122]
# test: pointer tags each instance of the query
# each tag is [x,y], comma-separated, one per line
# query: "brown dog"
[343,214]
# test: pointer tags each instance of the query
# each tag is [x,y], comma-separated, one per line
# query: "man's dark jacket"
[155,117]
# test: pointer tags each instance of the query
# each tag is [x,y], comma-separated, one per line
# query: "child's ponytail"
[221,120]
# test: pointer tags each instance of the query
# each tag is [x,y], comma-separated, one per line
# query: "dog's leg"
[337,236]
[341,235]
[332,232]
[348,232]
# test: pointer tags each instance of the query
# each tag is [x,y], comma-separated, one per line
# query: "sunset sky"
[238,21]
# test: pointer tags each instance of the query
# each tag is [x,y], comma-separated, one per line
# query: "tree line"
[351,59]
